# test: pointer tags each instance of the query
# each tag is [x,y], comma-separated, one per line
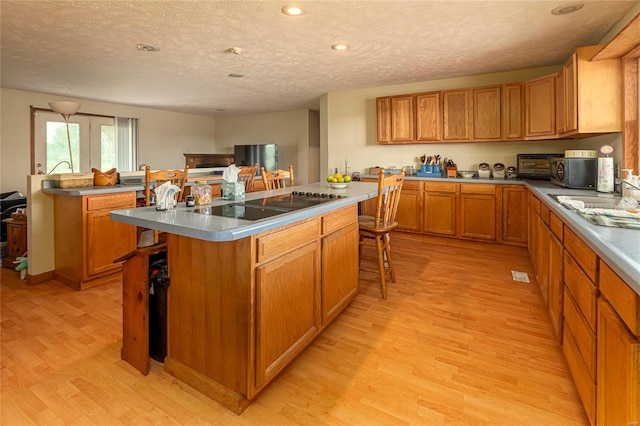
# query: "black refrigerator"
[266,155]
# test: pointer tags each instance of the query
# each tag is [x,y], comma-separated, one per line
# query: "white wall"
[164,136]
[289,129]
[348,130]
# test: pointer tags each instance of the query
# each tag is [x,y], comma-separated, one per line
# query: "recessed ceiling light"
[292,10]
[339,47]
[567,9]
[147,48]
[235,75]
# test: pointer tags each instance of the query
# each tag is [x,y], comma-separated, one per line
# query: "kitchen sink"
[572,202]
[605,214]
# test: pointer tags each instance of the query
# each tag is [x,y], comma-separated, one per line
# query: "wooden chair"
[247,175]
[375,230]
[276,179]
[176,177]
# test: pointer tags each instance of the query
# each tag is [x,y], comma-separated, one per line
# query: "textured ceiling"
[87,49]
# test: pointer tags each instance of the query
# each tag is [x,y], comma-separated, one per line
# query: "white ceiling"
[87,49]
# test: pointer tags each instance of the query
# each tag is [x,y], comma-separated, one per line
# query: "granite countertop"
[618,247]
[183,221]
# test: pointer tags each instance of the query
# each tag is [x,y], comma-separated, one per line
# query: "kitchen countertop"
[182,221]
[618,247]
[455,180]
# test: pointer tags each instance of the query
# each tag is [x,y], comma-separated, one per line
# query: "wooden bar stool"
[276,179]
[375,230]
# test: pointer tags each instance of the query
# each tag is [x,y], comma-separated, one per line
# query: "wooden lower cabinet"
[514,214]
[16,241]
[287,309]
[440,199]
[618,400]
[409,216]
[87,241]
[556,286]
[259,300]
[478,211]
[544,237]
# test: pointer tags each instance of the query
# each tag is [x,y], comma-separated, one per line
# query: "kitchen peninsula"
[247,296]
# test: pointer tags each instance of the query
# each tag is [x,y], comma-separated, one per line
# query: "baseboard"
[39,278]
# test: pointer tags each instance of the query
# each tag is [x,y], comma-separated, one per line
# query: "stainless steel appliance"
[265,155]
[577,173]
[535,166]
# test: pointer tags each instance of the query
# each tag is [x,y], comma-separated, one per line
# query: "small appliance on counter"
[535,166]
[498,171]
[512,172]
[484,171]
[578,169]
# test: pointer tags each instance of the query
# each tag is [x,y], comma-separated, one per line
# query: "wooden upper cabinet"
[429,116]
[592,94]
[402,122]
[383,112]
[560,103]
[540,108]
[487,113]
[457,115]
[512,111]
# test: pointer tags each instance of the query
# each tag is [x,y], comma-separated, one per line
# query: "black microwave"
[535,166]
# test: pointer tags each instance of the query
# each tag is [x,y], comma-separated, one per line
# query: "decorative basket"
[104,178]
[72,180]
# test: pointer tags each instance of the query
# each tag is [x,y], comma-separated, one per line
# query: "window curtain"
[126,143]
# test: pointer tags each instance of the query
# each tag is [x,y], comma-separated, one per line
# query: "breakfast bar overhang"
[247,296]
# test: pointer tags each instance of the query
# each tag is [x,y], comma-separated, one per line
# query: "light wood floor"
[457,342]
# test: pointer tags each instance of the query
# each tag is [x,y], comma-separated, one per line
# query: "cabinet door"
[570,92]
[16,239]
[618,400]
[409,215]
[544,236]
[440,213]
[478,216]
[514,214]
[429,117]
[287,309]
[561,125]
[339,271]
[383,114]
[540,111]
[513,112]
[106,241]
[402,124]
[457,115]
[487,113]
[556,286]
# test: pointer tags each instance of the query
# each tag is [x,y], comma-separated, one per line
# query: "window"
[96,142]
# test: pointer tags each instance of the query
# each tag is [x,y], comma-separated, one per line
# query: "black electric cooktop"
[263,208]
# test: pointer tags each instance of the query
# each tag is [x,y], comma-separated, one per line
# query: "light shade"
[64,108]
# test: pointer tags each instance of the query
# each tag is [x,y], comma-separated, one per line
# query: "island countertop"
[184,221]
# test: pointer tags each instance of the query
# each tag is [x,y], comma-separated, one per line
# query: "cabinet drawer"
[544,213]
[556,225]
[111,201]
[477,188]
[582,289]
[339,219]
[280,242]
[440,186]
[585,257]
[411,185]
[585,386]
[584,336]
[624,300]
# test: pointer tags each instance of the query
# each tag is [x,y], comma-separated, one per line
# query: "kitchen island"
[247,296]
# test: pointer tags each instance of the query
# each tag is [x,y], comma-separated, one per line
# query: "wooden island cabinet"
[234,327]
